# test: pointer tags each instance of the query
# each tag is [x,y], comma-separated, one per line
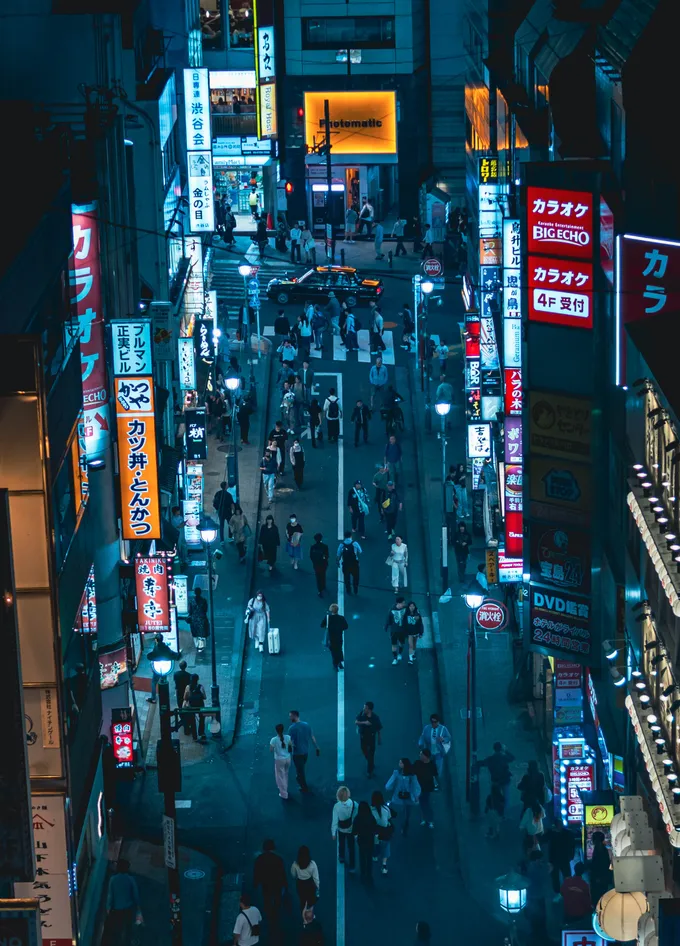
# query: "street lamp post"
[426,288]
[232,383]
[208,535]
[247,271]
[474,598]
[162,660]
[443,408]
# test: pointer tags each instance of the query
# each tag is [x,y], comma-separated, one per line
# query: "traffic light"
[300,113]
[289,187]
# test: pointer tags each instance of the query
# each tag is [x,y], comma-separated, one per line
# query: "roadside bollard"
[389,258]
[342,256]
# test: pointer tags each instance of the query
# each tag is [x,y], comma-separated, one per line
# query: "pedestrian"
[281,327]
[379,236]
[297,461]
[269,872]
[181,679]
[333,412]
[429,241]
[498,764]
[194,698]
[426,773]
[306,875]
[398,562]
[344,813]
[532,786]
[561,850]
[288,353]
[257,619]
[364,830]
[460,487]
[332,312]
[380,480]
[279,435]
[318,327]
[398,232]
[377,327]
[366,217]
[229,226]
[494,810]
[391,507]
[537,888]
[396,625]
[198,619]
[309,245]
[409,326]
[298,390]
[414,629]
[306,376]
[304,334]
[436,737]
[531,824]
[369,728]
[348,557]
[441,351]
[311,933]
[294,532]
[599,868]
[223,504]
[384,830]
[302,734]
[360,418]
[335,626]
[281,746]
[377,378]
[122,904]
[351,217]
[480,577]
[393,455]
[243,415]
[405,791]
[261,237]
[315,428]
[295,237]
[351,328]
[358,505]
[319,555]
[576,898]
[268,470]
[247,925]
[269,541]
[240,529]
[461,546]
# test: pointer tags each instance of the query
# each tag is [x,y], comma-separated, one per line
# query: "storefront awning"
[661,559]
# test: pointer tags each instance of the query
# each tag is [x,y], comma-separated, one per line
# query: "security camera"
[217,555]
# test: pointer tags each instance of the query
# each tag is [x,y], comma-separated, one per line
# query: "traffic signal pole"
[330,242]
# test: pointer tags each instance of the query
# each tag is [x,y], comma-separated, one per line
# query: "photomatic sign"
[138,460]
[492,616]
[560,222]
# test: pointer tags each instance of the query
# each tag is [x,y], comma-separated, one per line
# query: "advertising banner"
[559,622]
[112,667]
[560,222]
[561,490]
[138,461]
[152,576]
[568,693]
[181,590]
[361,122]
[513,392]
[559,425]
[196,434]
[192,511]
[509,568]
[561,558]
[647,277]
[187,364]
[199,156]
[580,778]
[85,281]
[131,343]
[560,292]
[607,240]
[122,737]
[479,440]
[513,440]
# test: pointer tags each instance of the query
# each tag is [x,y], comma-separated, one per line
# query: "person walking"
[426,772]
[384,830]
[428,241]
[315,428]
[531,824]
[360,418]
[377,378]
[223,504]
[306,376]
[351,329]
[377,328]
[319,555]
[348,557]
[302,734]
[248,922]
[269,541]
[369,728]
[441,351]
[294,532]
[531,786]
[561,850]
[318,328]
[364,830]
[396,626]
[405,791]
[461,546]
[243,415]
[257,618]
[333,412]
[194,698]
[240,529]
[332,312]
[304,335]
[344,813]
[494,809]
[358,505]
[295,237]
[366,217]
[281,327]
[268,470]
[599,868]
[305,239]
[198,619]
[351,217]
[381,478]
[398,232]
[123,907]
[391,507]
[261,237]
[297,461]
[281,746]
[460,488]
[576,899]
[498,764]
[409,327]
[414,629]
[269,872]
[436,737]
[398,562]
[311,933]
[306,876]
[181,678]
[393,455]
[335,625]
[279,435]
[379,236]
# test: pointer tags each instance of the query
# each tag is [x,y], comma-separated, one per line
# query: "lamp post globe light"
[512,897]
[209,532]
[232,382]
[474,598]
[244,270]
[427,286]
[442,408]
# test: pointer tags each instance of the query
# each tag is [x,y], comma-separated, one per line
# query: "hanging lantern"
[619,913]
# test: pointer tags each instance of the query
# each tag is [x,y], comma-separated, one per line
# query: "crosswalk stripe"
[339,351]
[388,354]
[364,342]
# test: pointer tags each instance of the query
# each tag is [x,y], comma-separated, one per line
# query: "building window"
[169,152]
[241,24]
[355,32]
[65,504]
[212,24]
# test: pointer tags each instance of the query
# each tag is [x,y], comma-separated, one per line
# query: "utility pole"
[330,242]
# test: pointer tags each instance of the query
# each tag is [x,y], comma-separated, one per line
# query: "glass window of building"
[357,32]
[212,24]
[241,24]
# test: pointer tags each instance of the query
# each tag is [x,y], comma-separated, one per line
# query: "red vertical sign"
[153,602]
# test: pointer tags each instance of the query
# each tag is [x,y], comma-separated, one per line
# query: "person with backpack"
[194,698]
[335,626]
[358,503]
[294,533]
[333,412]
[384,829]
[319,555]
[366,217]
[405,790]
[395,625]
[344,813]
[360,418]
[223,504]
[248,923]
[348,558]
[391,507]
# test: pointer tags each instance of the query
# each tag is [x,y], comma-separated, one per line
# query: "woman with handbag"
[240,529]
[385,829]
[344,813]
[398,561]
[294,533]
[405,790]
[282,747]
[306,875]
[257,618]
[269,541]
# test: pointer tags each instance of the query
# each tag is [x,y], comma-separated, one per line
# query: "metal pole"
[330,253]
[468,720]
[445,524]
[427,365]
[214,686]
[170,815]
[474,771]
[257,316]
[234,446]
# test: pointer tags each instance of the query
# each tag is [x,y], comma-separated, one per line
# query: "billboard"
[196,434]
[186,350]
[152,577]
[647,277]
[560,222]
[559,622]
[138,460]
[131,343]
[479,440]
[561,558]
[513,392]
[361,122]
[199,155]
[560,425]
[560,292]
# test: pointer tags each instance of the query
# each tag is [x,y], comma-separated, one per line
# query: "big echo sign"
[492,615]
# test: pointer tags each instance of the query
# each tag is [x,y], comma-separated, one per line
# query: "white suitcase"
[273,640]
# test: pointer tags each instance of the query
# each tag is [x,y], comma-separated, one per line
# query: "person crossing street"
[319,555]
[358,504]
[360,418]
[348,558]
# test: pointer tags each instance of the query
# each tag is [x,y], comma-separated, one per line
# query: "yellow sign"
[600,815]
[492,566]
[361,122]
[266,110]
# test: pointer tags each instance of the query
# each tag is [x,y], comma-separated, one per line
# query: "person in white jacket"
[344,813]
[306,876]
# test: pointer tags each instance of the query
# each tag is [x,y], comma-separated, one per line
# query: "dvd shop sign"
[560,222]
[560,622]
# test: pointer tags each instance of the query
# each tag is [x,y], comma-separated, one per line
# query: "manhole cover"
[194,874]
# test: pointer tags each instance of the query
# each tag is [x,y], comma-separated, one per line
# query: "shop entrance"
[237,183]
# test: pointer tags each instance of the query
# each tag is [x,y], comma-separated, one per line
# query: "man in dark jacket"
[318,554]
[461,545]
[360,418]
[561,850]
[336,626]
[311,933]
[279,435]
[281,327]
[223,504]
[181,680]
[498,764]
[270,874]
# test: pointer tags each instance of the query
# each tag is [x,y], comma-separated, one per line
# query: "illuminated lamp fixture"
[638,466]
[645,698]
[673,547]
[667,765]
[641,474]
[640,685]
[636,674]
[669,536]
[651,718]
[656,505]
[660,744]
[618,678]
[611,651]
[618,914]
[655,728]
[672,778]
[676,795]
[646,487]
[512,892]
[662,519]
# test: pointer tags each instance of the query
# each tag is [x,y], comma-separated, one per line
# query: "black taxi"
[316,283]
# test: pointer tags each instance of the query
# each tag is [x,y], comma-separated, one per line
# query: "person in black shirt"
[318,554]
[426,772]
[279,435]
[360,418]
[270,874]
[223,504]
[461,544]
[369,727]
[182,679]
[336,626]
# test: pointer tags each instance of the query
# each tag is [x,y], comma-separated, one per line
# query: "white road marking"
[388,354]
[364,342]
[339,351]
[314,353]
[426,642]
[268,330]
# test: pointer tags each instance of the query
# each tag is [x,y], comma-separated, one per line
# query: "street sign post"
[492,615]
[432,267]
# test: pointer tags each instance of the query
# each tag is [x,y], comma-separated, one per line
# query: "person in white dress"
[257,618]
[282,747]
[398,560]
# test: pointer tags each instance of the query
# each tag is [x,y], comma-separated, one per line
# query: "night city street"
[339,474]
